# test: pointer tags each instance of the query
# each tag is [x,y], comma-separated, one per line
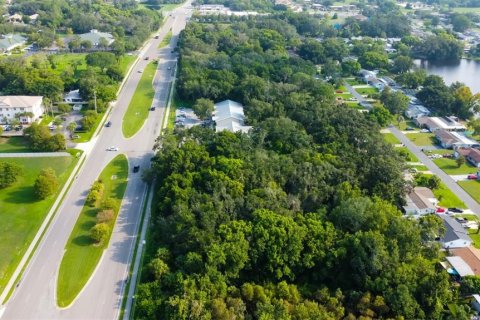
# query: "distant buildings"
[73,98]
[220,9]
[11,41]
[26,108]
[94,37]
[453,140]
[228,115]
[472,155]
[436,123]
[415,111]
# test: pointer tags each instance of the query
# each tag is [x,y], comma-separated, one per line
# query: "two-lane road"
[35,298]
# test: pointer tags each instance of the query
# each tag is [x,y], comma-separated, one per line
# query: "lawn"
[390,138]
[368,91]
[21,214]
[421,139]
[447,198]
[125,62]
[404,124]
[139,106]
[81,255]
[166,40]
[169,7]
[467,10]
[177,102]
[450,166]
[13,144]
[410,157]
[85,136]
[419,167]
[353,81]
[472,188]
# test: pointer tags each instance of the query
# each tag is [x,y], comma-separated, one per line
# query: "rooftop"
[229,116]
[19,101]
[454,230]
[470,255]
[460,266]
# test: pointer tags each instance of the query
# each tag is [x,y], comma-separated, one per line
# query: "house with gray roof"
[455,235]
[94,37]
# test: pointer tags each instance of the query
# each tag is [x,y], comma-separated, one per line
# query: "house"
[436,123]
[420,201]
[455,235]
[452,140]
[11,41]
[415,111]
[15,18]
[367,74]
[457,268]
[470,255]
[228,115]
[73,97]
[26,108]
[476,302]
[472,155]
[94,37]
[33,18]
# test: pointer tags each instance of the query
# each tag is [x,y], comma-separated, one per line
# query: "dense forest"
[297,219]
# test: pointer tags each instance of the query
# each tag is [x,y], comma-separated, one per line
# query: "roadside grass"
[450,166]
[169,7]
[21,213]
[447,198]
[364,91]
[166,40]
[422,139]
[439,151]
[85,136]
[139,106]
[404,124]
[466,10]
[419,167]
[125,62]
[81,255]
[410,155]
[177,103]
[390,138]
[14,144]
[472,188]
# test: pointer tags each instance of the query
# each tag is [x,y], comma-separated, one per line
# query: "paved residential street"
[101,298]
[359,97]
[449,181]
[34,154]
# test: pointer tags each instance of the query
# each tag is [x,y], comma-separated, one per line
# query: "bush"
[92,198]
[46,184]
[9,173]
[105,216]
[109,204]
[99,232]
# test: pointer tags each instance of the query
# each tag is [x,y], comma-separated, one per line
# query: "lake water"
[465,71]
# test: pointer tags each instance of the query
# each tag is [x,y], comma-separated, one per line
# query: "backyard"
[81,253]
[450,166]
[421,139]
[447,198]
[22,214]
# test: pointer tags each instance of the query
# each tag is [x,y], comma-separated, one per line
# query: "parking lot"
[186,118]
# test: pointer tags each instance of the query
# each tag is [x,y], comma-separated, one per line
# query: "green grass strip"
[21,214]
[139,106]
[81,254]
[166,40]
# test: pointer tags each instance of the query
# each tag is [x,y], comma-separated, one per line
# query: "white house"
[30,108]
[420,201]
[94,37]
[455,235]
[228,115]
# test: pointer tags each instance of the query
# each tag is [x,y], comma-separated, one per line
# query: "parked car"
[456,210]
[108,124]
[409,129]
[75,136]
[156,37]
[146,58]
[441,210]
[140,71]
[169,68]
[136,169]
[424,131]
[112,148]
[152,109]
[472,177]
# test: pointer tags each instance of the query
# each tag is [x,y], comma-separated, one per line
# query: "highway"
[35,296]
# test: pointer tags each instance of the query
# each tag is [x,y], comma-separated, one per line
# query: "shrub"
[99,232]
[9,173]
[46,184]
[105,216]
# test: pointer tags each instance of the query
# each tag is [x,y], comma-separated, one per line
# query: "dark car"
[152,109]
[136,169]
[108,124]
[409,129]
[456,210]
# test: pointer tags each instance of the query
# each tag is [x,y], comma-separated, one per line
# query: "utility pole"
[95,99]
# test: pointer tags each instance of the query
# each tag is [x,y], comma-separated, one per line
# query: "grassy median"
[21,214]
[81,253]
[139,106]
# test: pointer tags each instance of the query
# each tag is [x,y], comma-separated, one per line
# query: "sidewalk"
[34,154]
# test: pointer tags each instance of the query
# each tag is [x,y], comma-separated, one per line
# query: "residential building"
[15,18]
[472,155]
[476,302]
[451,140]
[26,108]
[228,115]
[367,74]
[415,111]
[94,37]
[11,41]
[470,255]
[436,123]
[73,97]
[376,83]
[420,201]
[455,235]
[457,268]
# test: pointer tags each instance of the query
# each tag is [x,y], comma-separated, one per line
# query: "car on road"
[136,169]
[75,136]
[147,58]
[152,109]
[157,36]
[409,129]
[169,68]
[456,210]
[140,71]
[108,124]
[472,177]
[112,148]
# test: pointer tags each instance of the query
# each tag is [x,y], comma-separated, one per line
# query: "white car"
[424,131]
[112,148]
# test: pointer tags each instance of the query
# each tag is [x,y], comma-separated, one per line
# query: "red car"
[441,210]
[472,177]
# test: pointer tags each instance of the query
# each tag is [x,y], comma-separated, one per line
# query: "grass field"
[21,214]
[81,255]
[467,10]
[13,144]
[390,138]
[472,188]
[169,7]
[422,139]
[166,40]
[450,166]
[447,198]
[85,136]
[364,91]
[404,124]
[139,106]
[411,156]
[353,81]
